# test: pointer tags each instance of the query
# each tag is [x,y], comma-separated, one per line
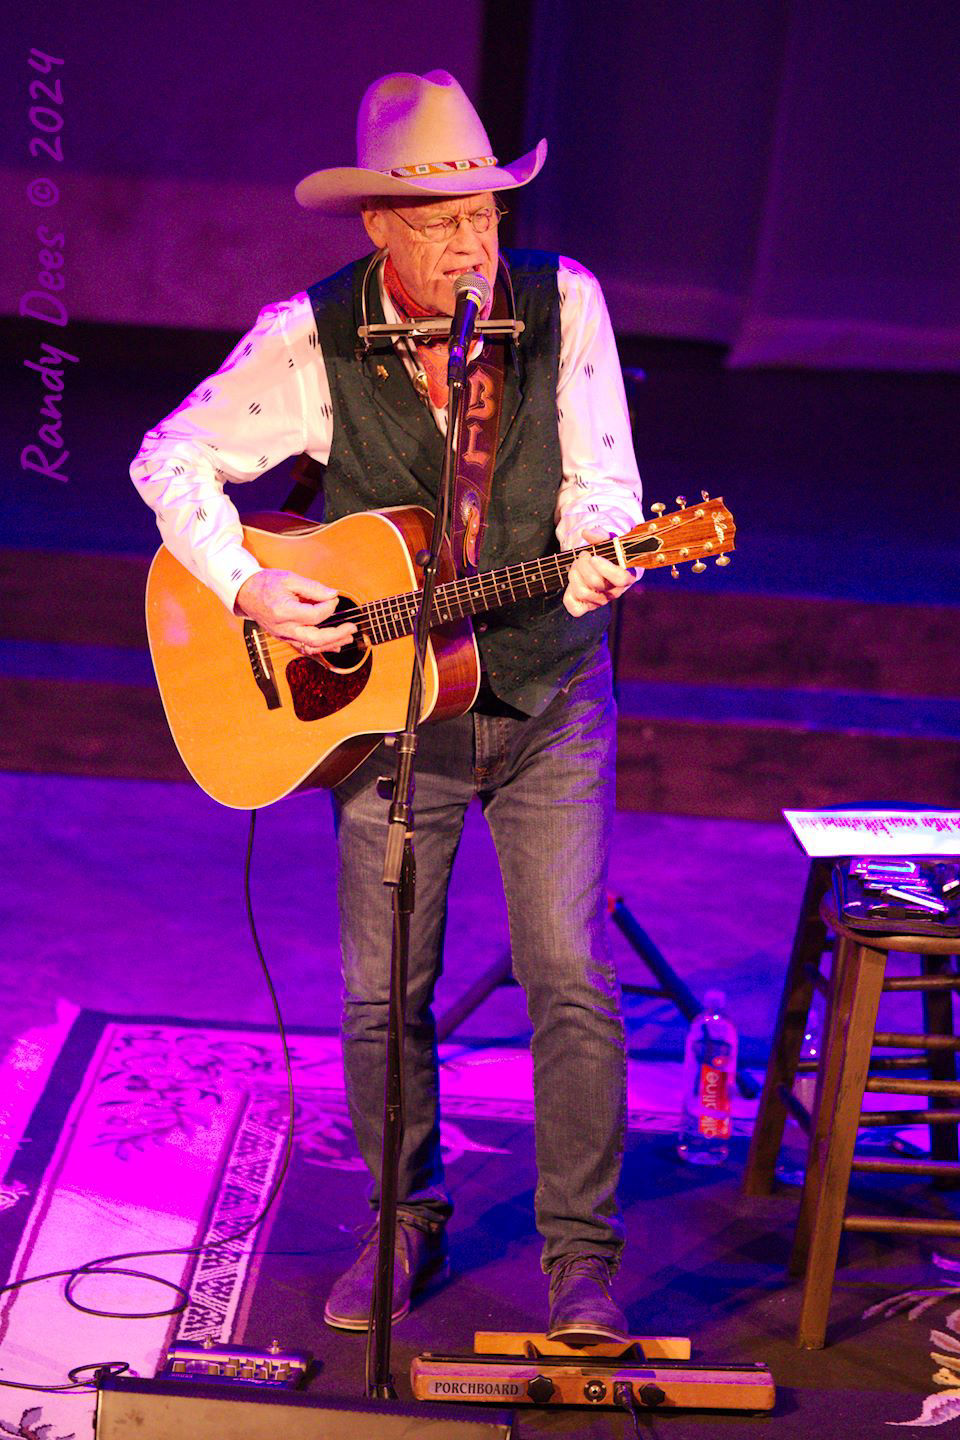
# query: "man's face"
[428,268]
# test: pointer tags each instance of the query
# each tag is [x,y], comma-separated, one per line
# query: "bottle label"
[715,1125]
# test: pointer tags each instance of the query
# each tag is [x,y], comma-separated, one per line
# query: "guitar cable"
[110,1264]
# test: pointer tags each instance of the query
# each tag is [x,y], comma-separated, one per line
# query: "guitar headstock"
[692,534]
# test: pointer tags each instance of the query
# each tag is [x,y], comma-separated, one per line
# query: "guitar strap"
[481,424]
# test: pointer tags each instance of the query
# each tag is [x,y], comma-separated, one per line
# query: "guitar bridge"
[259,655]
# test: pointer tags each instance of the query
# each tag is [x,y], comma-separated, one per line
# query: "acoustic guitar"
[255,720]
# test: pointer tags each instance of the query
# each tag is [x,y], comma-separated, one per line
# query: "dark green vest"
[387,450]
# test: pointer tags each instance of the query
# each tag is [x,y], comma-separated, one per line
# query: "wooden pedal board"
[532,1343]
[573,1379]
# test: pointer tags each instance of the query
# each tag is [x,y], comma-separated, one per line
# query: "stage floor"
[127,946]
[127,897]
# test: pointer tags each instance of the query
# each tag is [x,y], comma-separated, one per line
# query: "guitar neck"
[490,590]
[694,534]
[494,588]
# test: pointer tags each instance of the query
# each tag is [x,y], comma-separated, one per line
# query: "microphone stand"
[399,874]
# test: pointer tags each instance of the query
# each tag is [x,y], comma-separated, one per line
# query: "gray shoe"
[582,1310]
[420,1257]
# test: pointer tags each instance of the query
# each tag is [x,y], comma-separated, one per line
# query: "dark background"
[767,190]
[777,174]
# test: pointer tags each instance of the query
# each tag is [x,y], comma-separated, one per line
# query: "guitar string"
[399,611]
[392,617]
[488,582]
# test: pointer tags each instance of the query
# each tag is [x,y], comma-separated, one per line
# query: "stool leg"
[867,969]
[832,1050]
[942,1064]
[809,943]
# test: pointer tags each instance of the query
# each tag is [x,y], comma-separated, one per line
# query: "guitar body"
[254,720]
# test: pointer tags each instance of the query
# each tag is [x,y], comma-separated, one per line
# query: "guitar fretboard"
[395,615]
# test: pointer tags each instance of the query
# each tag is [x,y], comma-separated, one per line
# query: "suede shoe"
[421,1256]
[582,1309]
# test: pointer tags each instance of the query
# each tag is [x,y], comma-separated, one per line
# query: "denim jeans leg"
[550,814]
[443,791]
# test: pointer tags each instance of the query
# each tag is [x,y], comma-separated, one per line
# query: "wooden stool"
[856,984]
[843,1074]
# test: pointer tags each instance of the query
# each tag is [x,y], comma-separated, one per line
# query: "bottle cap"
[714,1001]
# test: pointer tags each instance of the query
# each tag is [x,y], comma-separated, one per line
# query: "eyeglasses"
[444,227]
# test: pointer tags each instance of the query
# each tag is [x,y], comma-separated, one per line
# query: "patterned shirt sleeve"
[601,484]
[268,401]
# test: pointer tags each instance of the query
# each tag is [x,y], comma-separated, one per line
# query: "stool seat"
[887,940]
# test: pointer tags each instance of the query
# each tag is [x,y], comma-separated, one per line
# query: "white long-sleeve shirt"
[270,400]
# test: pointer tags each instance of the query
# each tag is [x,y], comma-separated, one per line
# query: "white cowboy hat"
[417,136]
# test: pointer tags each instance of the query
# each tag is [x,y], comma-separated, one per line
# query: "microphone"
[472,292]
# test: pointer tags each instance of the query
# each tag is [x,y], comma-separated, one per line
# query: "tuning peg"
[675,572]
[723,559]
[704,494]
[658,508]
[682,502]
[698,567]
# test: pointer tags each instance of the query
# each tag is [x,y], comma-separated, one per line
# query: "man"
[537,747]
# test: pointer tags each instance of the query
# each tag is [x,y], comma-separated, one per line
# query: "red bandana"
[432,354]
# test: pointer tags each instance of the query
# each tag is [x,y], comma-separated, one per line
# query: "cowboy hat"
[417,136]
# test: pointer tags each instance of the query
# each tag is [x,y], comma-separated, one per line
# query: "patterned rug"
[125,1134]
[160,1134]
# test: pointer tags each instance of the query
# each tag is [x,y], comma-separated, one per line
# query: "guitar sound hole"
[323,685]
[351,656]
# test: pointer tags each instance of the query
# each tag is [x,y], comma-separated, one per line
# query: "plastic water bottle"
[709,1069]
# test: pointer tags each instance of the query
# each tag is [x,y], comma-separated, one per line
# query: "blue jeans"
[546,786]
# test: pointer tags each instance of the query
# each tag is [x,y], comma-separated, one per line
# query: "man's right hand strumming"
[293,608]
